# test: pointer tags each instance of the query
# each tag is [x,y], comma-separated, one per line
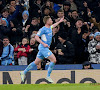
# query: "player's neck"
[47,26]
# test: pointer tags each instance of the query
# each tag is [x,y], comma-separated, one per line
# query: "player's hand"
[62,19]
[45,45]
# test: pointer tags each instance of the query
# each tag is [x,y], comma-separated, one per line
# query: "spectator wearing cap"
[94,49]
[64,50]
[8,53]
[75,36]
[25,19]
[91,36]
[87,65]
[4,29]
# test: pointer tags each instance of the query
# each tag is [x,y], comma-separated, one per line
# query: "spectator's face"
[49,21]
[34,22]
[38,1]
[25,16]
[56,29]
[97,38]
[13,3]
[66,8]
[5,14]
[91,37]
[24,41]
[79,24]
[74,15]
[87,67]
[3,23]
[5,41]
[46,11]
[48,3]
[60,14]
[32,41]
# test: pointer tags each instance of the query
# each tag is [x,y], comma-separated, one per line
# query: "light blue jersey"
[46,36]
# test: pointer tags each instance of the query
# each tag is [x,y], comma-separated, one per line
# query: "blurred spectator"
[33,50]
[16,33]
[74,17]
[91,37]
[64,50]
[66,8]
[87,65]
[75,36]
[7,57]
[11,11]
[55,38]
[23,51]
[4,29]
[1,49]
[94,48]
[34,26]
[73,5]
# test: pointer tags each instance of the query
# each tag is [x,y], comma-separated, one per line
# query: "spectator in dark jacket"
[4,30]
[87,65]
[65,50]
[33,51]
[33,27]
[76,39]
[16,33]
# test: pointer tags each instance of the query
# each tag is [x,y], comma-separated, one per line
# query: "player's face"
[49,21]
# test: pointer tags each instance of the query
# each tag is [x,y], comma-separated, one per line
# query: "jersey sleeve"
[40,32]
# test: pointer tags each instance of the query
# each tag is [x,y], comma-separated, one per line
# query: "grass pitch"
[51,87]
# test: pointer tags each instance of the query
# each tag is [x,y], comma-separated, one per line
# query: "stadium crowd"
[74,41]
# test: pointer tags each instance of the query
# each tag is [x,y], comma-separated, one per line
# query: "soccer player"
[46,37]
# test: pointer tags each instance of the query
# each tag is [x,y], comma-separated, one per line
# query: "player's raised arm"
[57,23]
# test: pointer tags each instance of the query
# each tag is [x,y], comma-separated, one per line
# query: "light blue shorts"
[44,53]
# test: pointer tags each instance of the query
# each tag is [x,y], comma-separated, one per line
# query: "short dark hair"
[5,10]
[79,19]
[5,37]
[74,11]
[60,10]
[67,4]
[34,18]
